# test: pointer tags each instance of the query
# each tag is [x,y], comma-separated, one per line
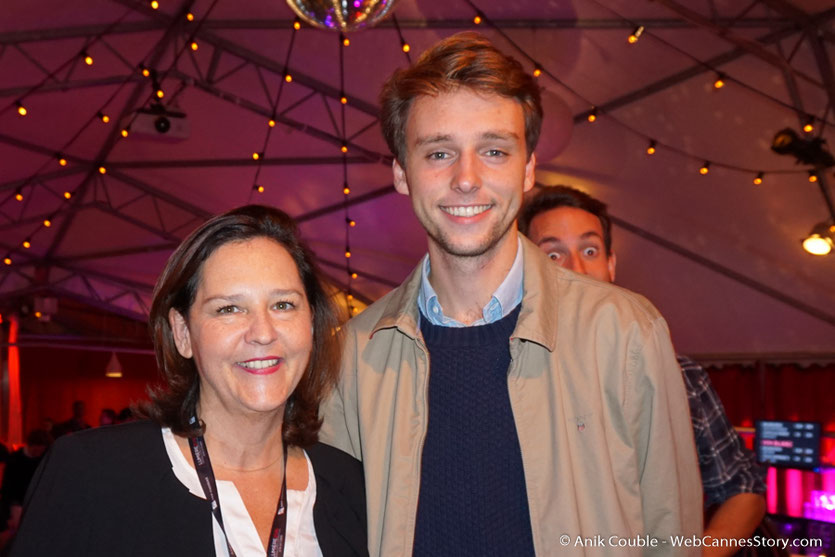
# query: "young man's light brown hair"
[463,60]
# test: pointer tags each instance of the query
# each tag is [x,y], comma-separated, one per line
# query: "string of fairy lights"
[653,146]
[157,93]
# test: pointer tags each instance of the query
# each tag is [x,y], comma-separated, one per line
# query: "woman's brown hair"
[174,403]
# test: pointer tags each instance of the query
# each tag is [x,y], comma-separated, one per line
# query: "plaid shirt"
[727,466]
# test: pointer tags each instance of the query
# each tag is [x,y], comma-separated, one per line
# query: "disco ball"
[342,15]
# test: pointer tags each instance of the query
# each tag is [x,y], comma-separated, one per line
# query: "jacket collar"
[537,320]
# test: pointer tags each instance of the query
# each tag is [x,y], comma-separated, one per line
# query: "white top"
[301,534]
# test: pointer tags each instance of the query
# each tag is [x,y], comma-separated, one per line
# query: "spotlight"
[821,239]
[807,151]
[636,34]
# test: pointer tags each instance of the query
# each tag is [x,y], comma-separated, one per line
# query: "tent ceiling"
[720,257]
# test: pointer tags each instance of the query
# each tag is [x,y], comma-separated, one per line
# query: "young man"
[575,230]
[500,405]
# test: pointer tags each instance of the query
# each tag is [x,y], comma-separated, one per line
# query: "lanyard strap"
[203,466]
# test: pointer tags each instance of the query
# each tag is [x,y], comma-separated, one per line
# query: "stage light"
[807,151]
[821,239]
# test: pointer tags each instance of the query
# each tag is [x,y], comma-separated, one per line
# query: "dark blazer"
[111,491]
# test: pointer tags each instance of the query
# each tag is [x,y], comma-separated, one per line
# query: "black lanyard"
[207,480]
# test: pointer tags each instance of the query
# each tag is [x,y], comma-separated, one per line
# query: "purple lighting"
[357,3]
[821,506]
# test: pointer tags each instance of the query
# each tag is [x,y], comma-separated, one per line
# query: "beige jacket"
[597,397]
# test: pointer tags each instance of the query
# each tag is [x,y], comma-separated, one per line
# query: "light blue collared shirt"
[504,300]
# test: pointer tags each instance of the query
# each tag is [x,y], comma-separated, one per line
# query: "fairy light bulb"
[26,244]
[344,148]
[537,70]
[190,16]
[47,223]
[297,24]
[21,110]
[346,41]
[343,99]
[7,260]
[18,195]
[354,275]
[651,149]
[477,19]
[194,45]
[87,58]
[720,81]
[349,297]
[351,222]
[809,126]
[813,176]
[256,156]
[636,34]
[405,46]
[160,93]
[346,190]
[62,161]
[259,188]
[758,179]
[705,168]
[287,77]
[155,4]
[67,195]
[145,71]
[271,123]
[125,132]
[592,117]
[104,117]
[38,314]
[347,253]
[102,170]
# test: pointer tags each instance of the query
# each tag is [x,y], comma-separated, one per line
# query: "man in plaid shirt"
[575,230]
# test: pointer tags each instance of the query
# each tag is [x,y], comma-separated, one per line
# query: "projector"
[159,123]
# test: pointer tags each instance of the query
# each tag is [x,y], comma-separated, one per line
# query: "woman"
[245,339]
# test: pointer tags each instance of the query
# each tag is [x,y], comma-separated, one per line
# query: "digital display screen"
[788,444]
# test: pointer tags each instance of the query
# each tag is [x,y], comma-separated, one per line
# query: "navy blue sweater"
[472,486]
